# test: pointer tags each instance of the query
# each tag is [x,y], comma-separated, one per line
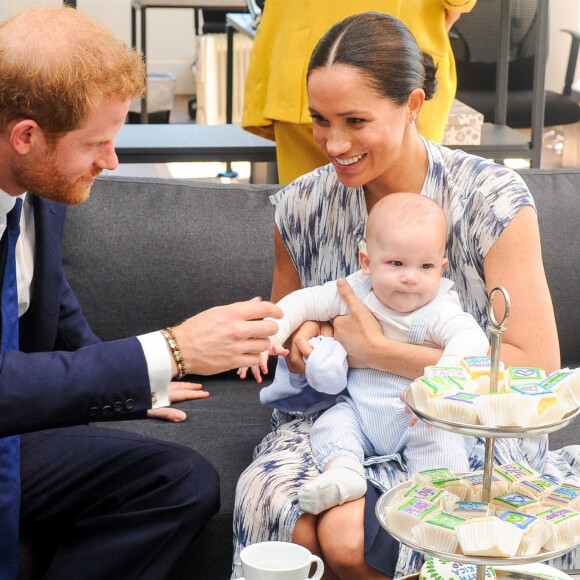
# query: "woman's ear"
[25,135]
[415,103]
[365,261]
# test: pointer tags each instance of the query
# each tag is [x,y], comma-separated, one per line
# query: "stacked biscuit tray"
[489,433]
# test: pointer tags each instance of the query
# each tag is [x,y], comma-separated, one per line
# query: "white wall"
[170,43]
[116,14]
[170,33]
[563,14]
[8,7]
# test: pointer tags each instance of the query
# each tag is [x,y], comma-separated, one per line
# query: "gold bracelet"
[169,336]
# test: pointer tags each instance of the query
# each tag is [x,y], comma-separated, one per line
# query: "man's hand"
[227,337]
[178,391]
[359,332]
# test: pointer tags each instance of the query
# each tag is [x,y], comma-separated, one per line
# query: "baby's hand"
[276,347]
[260,369]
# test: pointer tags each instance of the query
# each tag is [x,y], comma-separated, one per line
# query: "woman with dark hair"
[367,82]
[275,99]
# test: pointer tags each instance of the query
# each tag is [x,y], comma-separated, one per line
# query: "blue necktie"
[9,446]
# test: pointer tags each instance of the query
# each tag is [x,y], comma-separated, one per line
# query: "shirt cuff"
[159,367]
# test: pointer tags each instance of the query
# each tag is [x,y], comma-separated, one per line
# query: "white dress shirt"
[153,344]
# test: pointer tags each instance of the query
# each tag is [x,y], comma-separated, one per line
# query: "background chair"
[255,8]
[475,40]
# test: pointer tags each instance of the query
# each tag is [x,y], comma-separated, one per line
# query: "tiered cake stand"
[489,433]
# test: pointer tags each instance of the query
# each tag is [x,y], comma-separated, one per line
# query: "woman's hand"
[299,347]
[450,19]
[359,332]
[414,419]
[178,391]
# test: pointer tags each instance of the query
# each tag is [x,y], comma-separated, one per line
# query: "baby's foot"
[344,480]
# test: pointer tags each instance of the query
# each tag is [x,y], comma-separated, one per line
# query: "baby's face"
[405,266]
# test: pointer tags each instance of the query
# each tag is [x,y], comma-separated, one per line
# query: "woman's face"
[360,131]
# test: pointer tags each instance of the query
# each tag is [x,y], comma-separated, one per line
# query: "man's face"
[65,171]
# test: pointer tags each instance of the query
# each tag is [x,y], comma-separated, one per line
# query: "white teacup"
[279,561]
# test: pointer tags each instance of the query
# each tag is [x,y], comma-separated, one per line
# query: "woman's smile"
[347,164]
[349,161]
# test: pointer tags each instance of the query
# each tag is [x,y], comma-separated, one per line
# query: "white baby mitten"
[327,367]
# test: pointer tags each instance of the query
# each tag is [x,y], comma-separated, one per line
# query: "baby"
[401,283]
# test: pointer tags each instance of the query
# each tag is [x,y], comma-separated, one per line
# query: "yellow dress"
[276,102]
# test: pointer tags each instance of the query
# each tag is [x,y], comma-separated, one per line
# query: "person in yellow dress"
[275,100]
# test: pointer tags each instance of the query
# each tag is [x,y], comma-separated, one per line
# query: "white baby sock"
[344,480]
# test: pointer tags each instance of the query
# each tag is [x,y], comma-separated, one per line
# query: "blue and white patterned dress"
[322,223]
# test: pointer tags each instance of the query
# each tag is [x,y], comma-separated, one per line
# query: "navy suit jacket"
[63,375]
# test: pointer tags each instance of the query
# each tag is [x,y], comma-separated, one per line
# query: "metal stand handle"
[497,329]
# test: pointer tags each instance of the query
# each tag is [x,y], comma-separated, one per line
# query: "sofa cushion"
[557,197]
[168,248]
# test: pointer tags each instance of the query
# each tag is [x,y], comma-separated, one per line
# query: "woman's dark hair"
[384,51]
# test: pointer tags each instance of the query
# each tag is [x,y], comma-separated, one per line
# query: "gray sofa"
[142,254]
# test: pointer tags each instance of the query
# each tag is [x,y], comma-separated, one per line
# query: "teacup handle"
[319,568]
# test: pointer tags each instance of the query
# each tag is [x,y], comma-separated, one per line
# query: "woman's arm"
[515,262]
[362,337]
[286,278]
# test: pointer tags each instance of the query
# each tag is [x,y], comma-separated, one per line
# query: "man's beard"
[46,180]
